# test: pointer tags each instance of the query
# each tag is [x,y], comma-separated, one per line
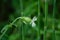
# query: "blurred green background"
[29,19]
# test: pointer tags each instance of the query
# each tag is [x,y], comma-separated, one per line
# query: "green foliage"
[30,20]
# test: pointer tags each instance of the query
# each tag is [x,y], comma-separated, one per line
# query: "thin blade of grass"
[38,21]
[46,17]
[53,21]
[21,9]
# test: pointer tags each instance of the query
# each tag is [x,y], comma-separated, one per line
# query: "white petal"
[34,18]
[33,24]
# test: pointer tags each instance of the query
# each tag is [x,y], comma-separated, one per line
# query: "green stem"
[3,34]
[38,32]
[53,21]
[21,9]
[46,15]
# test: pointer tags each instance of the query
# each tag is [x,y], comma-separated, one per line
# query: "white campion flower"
[30,21]
[33,21]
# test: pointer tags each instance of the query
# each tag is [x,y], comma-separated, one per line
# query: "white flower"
[33,24]
[27,20]
[34,18]
[33,21]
